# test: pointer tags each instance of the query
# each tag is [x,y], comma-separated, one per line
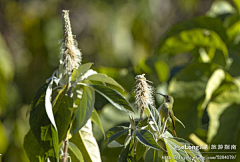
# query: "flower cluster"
[143,93]
[71,55]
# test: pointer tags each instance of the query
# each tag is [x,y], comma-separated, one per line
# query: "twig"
[65,149]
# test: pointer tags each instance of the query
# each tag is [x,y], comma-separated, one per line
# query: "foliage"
[121,44]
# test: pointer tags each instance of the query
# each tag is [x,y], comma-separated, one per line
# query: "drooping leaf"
[147,139]
[48,104]
[77,73]
[76,151]
[113,96]
[114,133]
[86,143]
[95,118]
[105,79]
[85,108]
[213,83]
[155,117]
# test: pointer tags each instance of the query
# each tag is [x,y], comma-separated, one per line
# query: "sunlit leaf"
[95,118]
[213,83]
[155,117]
[212,24]
[183,148]
[113,96]
[105,79]
[87,144]
[140,150]
[76,151]
[172,152]
[77,73]
[48,104]
[85,108]
[162,70]
[147,139]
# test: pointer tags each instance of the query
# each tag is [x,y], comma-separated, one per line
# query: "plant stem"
[65,150]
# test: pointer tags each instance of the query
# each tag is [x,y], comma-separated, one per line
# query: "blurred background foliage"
[187,48]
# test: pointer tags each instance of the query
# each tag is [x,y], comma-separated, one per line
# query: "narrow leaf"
[95,118]
[48,104]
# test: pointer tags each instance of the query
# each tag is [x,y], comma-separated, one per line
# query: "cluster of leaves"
[142,141]
[59,113]
[204,78]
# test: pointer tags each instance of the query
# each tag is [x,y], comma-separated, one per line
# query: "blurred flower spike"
[143,93]
[71,56]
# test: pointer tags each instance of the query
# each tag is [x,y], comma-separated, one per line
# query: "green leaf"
[33,148]
[76,151]
[147,139]
[95,118]
[86,143]
[41,150]
[126,154]
[62,108]
[155,117]
[224,117]
[113,96]
[77,73]
[237,3]
[162,70]
[38,115]
[105,79]
[188,90]
[114,133]
[85,108]
[213,83]
[180,144]
[212,24]
[152,156]
[140,150]
[172,153]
